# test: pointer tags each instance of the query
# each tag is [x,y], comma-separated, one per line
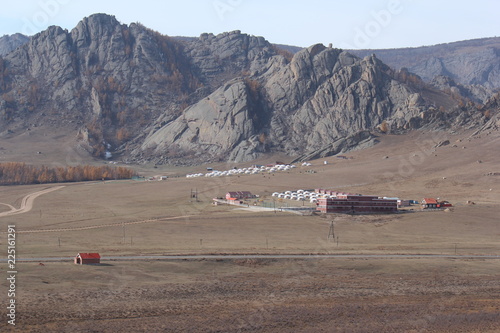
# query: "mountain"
[470,62]
[295,107]
[130,93]
[8,43]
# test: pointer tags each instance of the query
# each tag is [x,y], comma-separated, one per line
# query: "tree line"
[16,173]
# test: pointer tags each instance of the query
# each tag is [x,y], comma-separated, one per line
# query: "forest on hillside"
[16,173]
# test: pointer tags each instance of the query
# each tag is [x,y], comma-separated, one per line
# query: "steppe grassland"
[412,170]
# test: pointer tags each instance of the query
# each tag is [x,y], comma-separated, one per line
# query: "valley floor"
[119,218]
[417,295]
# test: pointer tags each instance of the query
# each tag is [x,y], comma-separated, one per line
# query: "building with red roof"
[429,203]
[87,258]
[434,203]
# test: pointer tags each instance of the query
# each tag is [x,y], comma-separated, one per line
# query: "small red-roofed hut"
[87,258]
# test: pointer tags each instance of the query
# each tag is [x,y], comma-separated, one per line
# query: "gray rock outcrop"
[321,96]
[219,124]
[476,92]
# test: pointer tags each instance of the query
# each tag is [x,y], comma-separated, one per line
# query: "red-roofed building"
[429,203]
[87,258]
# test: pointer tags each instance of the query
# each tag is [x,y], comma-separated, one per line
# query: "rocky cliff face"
[476,92]
[325,94]
[491,112]
[132,93]
[217,126]
[228,55]
[110,79]
[299,108]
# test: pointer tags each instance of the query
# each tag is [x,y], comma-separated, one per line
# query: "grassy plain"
[391,295]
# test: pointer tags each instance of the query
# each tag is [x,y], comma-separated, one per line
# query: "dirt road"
[27,202]
[320,256]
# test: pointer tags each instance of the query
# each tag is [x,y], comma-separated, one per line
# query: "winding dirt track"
[27,202]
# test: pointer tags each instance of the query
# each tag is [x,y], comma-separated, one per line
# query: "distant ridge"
[9,43]
[469,62]
[289,48]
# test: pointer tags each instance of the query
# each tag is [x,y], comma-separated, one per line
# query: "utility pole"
[331,232]
[194,195]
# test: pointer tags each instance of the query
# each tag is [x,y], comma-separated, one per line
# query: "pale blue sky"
[346,24]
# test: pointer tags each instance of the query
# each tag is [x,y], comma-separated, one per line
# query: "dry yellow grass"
[110,209]
[435,295]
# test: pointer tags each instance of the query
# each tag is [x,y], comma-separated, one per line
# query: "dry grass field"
[118,218]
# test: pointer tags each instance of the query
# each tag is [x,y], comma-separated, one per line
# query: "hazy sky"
[345,24]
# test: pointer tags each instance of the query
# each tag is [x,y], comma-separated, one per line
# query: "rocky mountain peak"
[95,26]
[228,55]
